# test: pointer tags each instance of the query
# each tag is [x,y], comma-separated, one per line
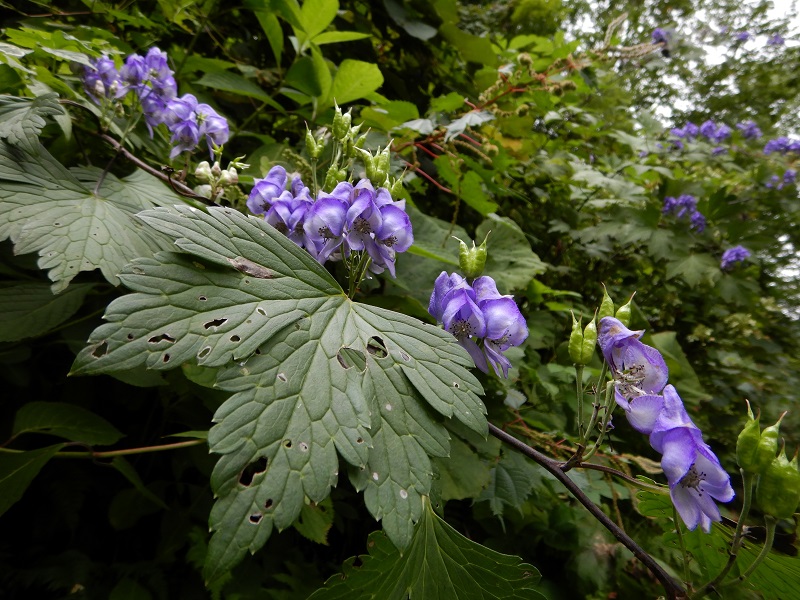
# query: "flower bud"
[225,179]
[767,446]
[234,176]
[778,491]
[333,177]
[624,312]
[472,260]
[747,442]
[589,342]
[575,345]
[203,171]
[606,306]
[341,124]
[216,170]
[397,188]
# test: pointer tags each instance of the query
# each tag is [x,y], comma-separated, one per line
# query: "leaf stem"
[579,394]
[771,523]
[112,453]
[673,590]
[608,408]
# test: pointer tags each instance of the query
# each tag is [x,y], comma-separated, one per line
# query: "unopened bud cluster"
[582,340]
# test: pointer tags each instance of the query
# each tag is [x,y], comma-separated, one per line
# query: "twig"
[112,453]
[673,590]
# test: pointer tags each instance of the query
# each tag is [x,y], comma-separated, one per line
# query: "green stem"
[748,479]
[771,523]
[112,453]
[682,544]
[358,273]
[608,408]
[579,393]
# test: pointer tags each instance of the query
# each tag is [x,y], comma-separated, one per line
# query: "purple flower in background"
[687,132]
[708,129]
[789,176]
[185,136]
[181,111]
[684,205]
[211,125]
[776,40]
[750,130]
[101,80]
[733,255]
[266,190]
[698,222]
[794,146]
[742,36]
[660,36]
[780,144]
[718,150]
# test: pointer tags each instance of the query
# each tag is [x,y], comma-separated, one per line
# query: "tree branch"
[673,590]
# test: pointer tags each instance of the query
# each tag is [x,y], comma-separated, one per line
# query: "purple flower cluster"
[715,133]
[348,219]
[688,132]
[782,145]
[696,477]
[660,36]
[776,40]
[789,177]
[483,321]
[152,80]
[683,205]
[749,129]
[743,36]
[734,255]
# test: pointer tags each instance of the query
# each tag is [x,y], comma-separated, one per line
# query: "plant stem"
[771,523]
[608,408]
[685,554]
[673,590]
[579,394]
[112,453]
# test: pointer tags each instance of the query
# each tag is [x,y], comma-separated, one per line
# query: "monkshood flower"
[153,81]
[776,40]
[743,36]
[483,321]
[780,144]
[266,190]
[734,255]
[102,81]
[660,36]
[789,176]
[687,132]
[749,129]
[715,133]
[189,121]
[697,222]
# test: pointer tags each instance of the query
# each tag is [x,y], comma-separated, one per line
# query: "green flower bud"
[606,306]
[747,443]
[333,177]
[624,312]
[575,341]
[768,446]
[778,491]
[397,188]
[589,342]
[203,171]
[341,123]
[314,146]
[225,179]
[472,260]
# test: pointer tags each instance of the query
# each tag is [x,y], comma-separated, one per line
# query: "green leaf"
[695,269]
[65,420]
[312,374]
[472,47]
[315,521]
[310,75]
[18,469]
[440,564]
[31,309]
[681,373]
[510,259]
[236,84]
[335,37]
[316,15]
[22,119]
[511,481]
[354,79]
[47,209]
[272,28]
[463,474]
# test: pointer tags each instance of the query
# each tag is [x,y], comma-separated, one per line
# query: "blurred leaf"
[472,47]
[315,521]
[18,469]
[335,37]
[511,481]
[65,420]
[463,474]
[30,309]
[236,84]
[439,564]
[510,259]
[22,119]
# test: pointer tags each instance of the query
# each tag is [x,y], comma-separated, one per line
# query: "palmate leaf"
[312,373]
[49,209]
[22,119]
[440,564]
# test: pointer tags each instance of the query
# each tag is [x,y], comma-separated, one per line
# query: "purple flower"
[695,477]
[211,125]
[742,36]
[776,40]
[698,222]
[708,129]
[687,132]
[442,289]
[789,176]
[794,146]
[718,150]
[101,80]
[185,136]
[287,214]
[464,320]
[181,111]
[394,235]
[660,36]
[324,222]
[637,368]
[780,144]
[266,190]
[505,327]
[750,130]
[733,255]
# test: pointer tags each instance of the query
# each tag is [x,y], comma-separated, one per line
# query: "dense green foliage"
[238,426]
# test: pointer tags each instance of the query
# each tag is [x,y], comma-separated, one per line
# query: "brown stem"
[673,590]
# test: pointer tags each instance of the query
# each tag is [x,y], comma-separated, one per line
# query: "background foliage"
[529,118]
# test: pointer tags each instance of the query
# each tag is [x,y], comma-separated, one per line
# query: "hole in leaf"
[261,311]
[403,494]
[161,338]
[100,350]
[202,298]
[287,443]
[255,518]
[376,347]
[388,407]
[251,470]
[404,356]
[57,224]
[357,562]
[235,338]
[131,336]
[282,377]
[258,350]
[360,441]
[303,447]
[348,357]
[215,323]
[268,503]
[137,271]
[204,352]
[166,358]
[456,385]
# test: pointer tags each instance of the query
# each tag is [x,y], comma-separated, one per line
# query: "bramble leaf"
[440,563]
[56,212]
[312,373]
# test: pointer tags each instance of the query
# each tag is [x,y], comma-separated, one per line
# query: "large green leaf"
[22,119]
[65,420]
[510,259]
[440,564]
[17,470]
[48,209]
[312,374]
[511,481]
[30,309]
[354,79]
